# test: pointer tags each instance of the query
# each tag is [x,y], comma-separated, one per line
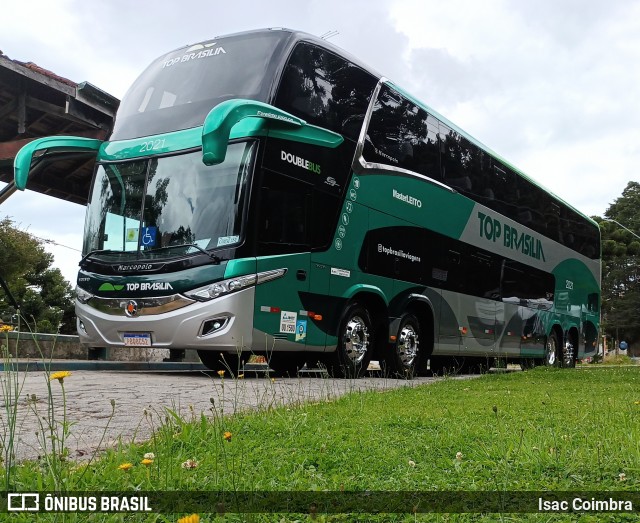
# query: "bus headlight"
[220,288]
[82,295]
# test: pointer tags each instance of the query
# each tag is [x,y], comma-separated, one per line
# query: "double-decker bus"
[266,193]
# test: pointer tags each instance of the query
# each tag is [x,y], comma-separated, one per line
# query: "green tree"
[45,297]
[621,266]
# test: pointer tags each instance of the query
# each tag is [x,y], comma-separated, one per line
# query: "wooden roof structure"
[34,103]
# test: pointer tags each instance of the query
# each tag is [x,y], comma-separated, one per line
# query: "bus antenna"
[329,34]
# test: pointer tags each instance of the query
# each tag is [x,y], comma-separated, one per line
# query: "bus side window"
[326,90]
[401,134]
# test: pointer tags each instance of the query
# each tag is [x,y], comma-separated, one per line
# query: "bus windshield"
[179,89]
[168,206]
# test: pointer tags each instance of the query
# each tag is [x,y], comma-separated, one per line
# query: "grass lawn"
[541,430]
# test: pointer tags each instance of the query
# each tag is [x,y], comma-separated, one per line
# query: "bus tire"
[286,364]
[405,357]
[355,343]
[568,356]
[527,363]
[552,350]
[218,360]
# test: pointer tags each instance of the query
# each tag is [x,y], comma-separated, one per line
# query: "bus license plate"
[140,339]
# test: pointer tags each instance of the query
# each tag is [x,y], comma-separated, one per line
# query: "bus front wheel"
[286,364]
[217,360]
[405,358]
[355,344]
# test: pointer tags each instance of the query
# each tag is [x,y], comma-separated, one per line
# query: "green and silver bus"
[265,193]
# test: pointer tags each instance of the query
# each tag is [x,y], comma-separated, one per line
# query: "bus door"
[480,309]
[514,310]
[283,243]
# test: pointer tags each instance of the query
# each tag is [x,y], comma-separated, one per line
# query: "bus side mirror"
[220,120]
[42,151]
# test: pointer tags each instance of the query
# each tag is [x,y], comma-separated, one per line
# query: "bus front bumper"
[224,323]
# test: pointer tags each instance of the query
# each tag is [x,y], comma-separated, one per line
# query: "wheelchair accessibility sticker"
[148,238]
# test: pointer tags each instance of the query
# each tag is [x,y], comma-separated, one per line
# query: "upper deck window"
[326,90]
[179,89]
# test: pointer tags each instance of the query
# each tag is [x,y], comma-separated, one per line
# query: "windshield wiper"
[86,257]
[216,259]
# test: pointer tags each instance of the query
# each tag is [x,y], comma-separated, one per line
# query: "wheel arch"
[422,307]
[378,309]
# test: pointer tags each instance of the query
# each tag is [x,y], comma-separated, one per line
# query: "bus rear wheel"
[404,361]
[552,351]
[355,344]
[218,360]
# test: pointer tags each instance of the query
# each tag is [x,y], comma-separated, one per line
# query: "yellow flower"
[221,373]
[636,402]
[6,328]
[147,461]
[60,376]
[193,518]
[126,466]
[227,435]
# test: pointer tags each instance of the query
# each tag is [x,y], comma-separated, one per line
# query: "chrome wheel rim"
[356,339]
[551,351]
[408,345]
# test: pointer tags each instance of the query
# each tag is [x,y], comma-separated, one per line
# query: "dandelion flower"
[221,373]
[6,328]
[636,402]
[126,466]
[193,518]
[147,461]
[412,463]
[622,476]
[149,455]
[60,376]
[227,436]
[459,456]
[190,464]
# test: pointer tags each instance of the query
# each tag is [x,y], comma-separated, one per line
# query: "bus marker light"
[274,309]
[463,330]
[317,317]
[393,338]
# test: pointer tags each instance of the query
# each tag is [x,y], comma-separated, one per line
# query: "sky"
[553,86]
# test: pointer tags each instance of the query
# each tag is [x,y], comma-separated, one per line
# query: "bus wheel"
[568,356]
[404,361]
[355,343]
[527,363]
[286,364]
[552,350]
[218,360]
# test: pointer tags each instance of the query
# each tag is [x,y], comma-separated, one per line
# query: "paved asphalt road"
[89,397]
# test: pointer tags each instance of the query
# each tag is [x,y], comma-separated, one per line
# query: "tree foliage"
[45,297]
[621,265]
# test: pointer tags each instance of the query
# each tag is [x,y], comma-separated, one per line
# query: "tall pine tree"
[621,267]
